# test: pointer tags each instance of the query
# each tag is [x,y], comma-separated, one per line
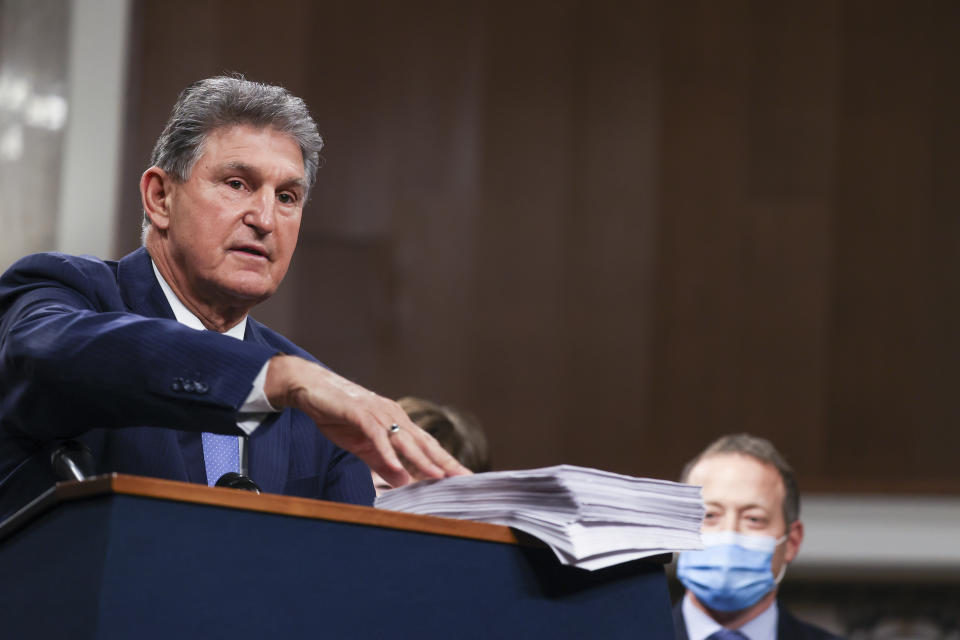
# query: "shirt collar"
[700,625]
[185,316]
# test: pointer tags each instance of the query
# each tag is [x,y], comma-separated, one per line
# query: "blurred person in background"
[751,532]
[458,432]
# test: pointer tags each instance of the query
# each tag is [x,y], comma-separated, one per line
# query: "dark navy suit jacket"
[90,350]
[788,627]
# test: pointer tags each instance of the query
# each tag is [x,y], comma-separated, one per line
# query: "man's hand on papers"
[359,421]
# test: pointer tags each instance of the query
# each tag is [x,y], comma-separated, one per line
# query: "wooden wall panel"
[400,187]
[746,233]
[616,230]
[608,270]
[893,407]
[521,241]
[704,240]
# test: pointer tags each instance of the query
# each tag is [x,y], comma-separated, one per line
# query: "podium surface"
[129,557]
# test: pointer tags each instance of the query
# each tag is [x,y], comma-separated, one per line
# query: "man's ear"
[155,186]
[794,540]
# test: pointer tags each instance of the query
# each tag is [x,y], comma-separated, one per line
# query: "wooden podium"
[130,557]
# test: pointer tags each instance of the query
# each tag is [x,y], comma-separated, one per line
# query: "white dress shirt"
[700,625]
[256,407]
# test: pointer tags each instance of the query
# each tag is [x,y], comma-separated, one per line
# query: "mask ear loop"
[783,569]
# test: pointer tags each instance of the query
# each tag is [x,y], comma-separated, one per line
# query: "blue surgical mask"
[733,572]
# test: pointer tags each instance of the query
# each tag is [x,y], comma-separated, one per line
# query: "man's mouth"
[251,250]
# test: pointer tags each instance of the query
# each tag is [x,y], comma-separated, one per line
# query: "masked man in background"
[751,531]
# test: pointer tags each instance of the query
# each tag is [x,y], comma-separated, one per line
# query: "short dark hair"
[228,100]
[457,432]
[760,449]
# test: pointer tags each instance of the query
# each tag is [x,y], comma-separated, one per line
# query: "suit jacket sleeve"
[73,357]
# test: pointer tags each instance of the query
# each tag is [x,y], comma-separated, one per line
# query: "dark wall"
[617,230]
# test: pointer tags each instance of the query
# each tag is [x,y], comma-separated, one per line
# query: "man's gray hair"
[764,451]
[223,101]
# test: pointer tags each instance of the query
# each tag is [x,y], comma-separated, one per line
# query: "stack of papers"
[591,519]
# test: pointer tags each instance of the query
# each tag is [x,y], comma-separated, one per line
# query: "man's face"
[233,224]
[745,495]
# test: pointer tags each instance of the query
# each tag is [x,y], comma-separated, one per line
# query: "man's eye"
[235,184]
[286,198]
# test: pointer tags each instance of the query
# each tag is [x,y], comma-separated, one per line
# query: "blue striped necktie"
[726,634]
[221,454]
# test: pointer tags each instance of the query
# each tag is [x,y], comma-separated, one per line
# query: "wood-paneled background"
[616,230]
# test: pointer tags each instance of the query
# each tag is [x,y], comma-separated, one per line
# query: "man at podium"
[751,532]
[152,365]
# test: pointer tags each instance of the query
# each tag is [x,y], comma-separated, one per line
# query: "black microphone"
[72,460]
[233,480]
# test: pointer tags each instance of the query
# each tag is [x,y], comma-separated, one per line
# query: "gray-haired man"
[121,345]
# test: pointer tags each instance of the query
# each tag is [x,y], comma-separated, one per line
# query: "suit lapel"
[142,295]
[786,624]
[139,288]
[268,453]
[679,622]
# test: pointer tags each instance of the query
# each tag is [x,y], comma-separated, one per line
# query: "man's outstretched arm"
[358,420]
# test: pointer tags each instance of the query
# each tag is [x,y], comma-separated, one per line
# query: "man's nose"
[261,214]
[730,522]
